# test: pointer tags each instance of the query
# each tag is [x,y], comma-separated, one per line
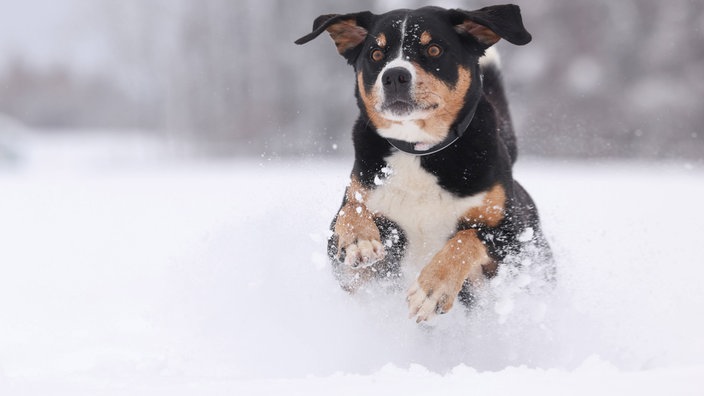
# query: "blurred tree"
[610,78]
[601,78]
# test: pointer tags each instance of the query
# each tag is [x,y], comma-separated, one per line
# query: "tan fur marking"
[443,101]
[492,211]
[430,92]
[461,258]
[426,38]
[381,40]
[371,100]
[480,32]
[346,35]
[448,100]
[355,221]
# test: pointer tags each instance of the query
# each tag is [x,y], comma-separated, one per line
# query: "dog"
[431,197]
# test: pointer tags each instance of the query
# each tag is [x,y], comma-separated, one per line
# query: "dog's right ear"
[348,31]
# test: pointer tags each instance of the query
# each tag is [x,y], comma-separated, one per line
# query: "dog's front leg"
[357,241]
[441,280]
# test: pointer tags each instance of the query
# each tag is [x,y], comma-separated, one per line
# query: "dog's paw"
[364,253]
[425,301]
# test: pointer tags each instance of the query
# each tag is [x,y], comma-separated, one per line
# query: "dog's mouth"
[401,110]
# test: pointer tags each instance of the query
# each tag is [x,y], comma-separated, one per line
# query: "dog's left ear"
[348,31]
[490,24]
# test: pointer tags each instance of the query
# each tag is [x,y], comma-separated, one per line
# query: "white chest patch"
[407,131]
[426,213]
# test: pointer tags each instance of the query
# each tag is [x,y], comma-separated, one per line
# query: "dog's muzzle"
[397,83]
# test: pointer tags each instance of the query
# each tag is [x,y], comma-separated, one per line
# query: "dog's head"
[417,70]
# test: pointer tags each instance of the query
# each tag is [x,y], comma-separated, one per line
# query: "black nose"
[396,79]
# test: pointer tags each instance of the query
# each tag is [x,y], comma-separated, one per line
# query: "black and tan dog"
[431,198]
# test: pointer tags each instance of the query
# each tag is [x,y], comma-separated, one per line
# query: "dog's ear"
[348,31]
[490,24]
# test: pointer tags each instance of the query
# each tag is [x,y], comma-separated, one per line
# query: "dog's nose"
[396,79]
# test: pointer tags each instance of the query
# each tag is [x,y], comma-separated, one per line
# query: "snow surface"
[211,278]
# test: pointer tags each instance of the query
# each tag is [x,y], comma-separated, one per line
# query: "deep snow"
[203,278]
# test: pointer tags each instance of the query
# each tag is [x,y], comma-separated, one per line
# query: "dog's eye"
[434,51]
[377,55]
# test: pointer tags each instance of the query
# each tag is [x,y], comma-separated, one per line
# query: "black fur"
[481,158]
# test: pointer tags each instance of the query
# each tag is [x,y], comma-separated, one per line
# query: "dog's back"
[493,86]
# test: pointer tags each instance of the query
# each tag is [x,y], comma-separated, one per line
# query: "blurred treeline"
[601,78]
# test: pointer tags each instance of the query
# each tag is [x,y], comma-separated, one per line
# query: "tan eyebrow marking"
[425,38]
[381,40]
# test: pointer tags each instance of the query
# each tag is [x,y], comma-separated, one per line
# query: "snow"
[169,277]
